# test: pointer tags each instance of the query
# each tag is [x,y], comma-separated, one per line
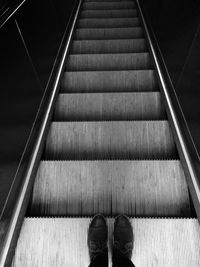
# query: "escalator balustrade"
[109,150]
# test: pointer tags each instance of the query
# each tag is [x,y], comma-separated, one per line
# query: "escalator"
[110,149]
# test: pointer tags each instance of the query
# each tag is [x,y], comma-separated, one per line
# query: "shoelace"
[125,249]
[97,247]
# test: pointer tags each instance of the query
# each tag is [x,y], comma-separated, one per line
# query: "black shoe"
[123,237]
[97,237]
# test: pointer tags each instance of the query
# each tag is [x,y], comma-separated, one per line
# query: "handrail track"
[186,147]
[14,210]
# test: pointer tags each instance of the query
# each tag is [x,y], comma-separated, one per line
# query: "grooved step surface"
[109,81]
[63,242]
[110,33]
[109,106]
[110,140]
[126,13]
[135,188]
[108,46]
[108,23]
[110,5]
[90,62]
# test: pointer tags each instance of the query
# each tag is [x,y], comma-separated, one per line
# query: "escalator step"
[90,62]
[110,140]
[109,106]
[135,188]
[110,33]
[63,242]
[108,23]
[109,5]
[126,13]
[109,81]
[108,46]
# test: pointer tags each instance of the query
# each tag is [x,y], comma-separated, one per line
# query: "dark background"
[28,48]
[176,25]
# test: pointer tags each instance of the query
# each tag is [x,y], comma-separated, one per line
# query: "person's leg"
[123,242]
[97,242]
[99,261]
[122,261]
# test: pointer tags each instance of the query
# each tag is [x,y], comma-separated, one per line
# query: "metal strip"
[10,12]
[185,143]
[28,54]
[11,220]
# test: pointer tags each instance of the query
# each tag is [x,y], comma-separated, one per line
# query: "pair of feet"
[98,237]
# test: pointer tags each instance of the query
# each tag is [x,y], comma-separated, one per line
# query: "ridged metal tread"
[86,188]
[63,242]
[108,46]
[124,13]
[109,81]
[91,62]
[108,23]
[110,140]
[108,5]
[108,33]
[109,106]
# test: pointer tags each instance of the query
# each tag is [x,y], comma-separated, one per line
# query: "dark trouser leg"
[120,260]
[100,261]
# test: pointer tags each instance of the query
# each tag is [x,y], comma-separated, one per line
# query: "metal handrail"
[10,11]
[186,147]
[14,210]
